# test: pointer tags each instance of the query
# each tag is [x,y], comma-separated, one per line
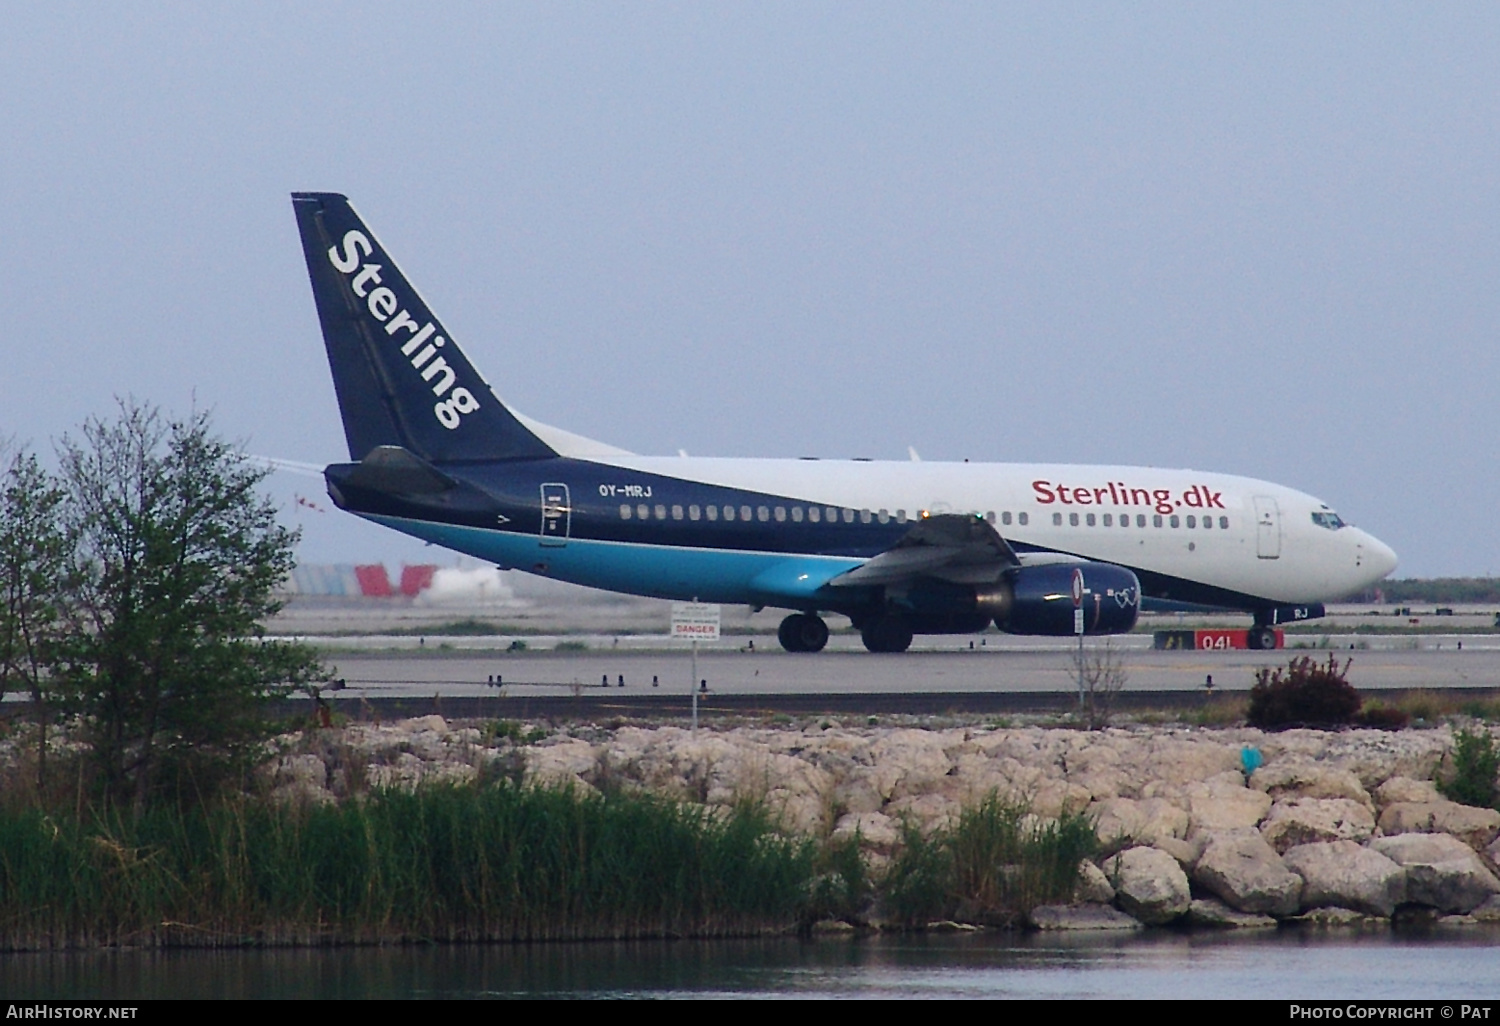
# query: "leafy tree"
[176,561]
[34,557]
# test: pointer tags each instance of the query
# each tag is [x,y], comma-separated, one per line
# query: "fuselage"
[710,529]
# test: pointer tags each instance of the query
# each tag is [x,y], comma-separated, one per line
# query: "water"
[1456,963]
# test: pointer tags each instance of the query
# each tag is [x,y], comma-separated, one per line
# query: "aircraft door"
[1267,528]
[557,514]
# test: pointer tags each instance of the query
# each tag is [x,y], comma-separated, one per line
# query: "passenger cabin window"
[1005,518]
[1057,520]
[1109,521]
[763,513]
[1156,520]
[781,514]
[643,511]
[814,514]
[625,511]
[1072,519]
[661,512]
[1090,520]
[694,512]
[728,512]
[831,514]
[676,512]
[1140,520]
[713,512]
[990,516]
[1192,521]
[744,512]
[1024,519]
[797,514]
[1174,521]
[1223,523]
[864,516]
[900,516]
[848,516]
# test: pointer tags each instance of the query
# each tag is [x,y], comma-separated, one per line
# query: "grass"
[993,866]
[457,863]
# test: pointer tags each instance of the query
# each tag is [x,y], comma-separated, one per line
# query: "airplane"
[901,548]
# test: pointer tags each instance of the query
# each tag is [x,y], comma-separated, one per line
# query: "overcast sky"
[1254,238]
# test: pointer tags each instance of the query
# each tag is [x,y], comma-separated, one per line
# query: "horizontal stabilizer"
[394,471]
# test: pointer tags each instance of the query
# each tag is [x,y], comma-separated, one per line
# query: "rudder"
[400,379]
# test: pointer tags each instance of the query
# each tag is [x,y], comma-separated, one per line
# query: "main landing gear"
[803,632]
[888,632]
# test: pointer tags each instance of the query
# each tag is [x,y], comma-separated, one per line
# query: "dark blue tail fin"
[400,379]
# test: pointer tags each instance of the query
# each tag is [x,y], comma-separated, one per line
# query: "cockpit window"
[1327,518]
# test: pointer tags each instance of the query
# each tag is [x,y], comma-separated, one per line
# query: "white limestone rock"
[1082,917]
[1248,874]
[1310,780]
[1214,913]
[1348,875]
[874,829]
[1441,871]
[1335,917]
[562,764]
[1308,820]
[1476,827]
[1149,885]
[1405,789]
[1093,886]
[1223,805]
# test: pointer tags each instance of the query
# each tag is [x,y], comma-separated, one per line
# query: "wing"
[952,547]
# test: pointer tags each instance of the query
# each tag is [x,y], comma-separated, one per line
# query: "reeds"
[993,866]
[457,863]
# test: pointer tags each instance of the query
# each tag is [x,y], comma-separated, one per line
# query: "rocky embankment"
[1333,827]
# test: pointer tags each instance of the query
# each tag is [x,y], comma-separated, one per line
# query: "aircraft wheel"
[1262,638]
[889,633]
[803,632]
[790,633]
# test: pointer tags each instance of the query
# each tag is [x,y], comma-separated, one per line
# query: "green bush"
[1304,694]
[1476,762]
[993,866]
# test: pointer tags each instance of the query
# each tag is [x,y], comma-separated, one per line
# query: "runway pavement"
[1001,666]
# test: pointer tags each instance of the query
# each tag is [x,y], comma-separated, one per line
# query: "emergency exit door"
[557,514]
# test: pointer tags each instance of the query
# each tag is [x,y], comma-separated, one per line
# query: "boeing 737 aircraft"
[901,548]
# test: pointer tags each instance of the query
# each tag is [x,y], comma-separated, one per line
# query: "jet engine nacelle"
[1040,599]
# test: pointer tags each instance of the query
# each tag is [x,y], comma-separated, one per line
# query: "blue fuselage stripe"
[657,571]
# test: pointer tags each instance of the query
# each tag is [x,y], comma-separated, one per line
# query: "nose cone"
[1379,558]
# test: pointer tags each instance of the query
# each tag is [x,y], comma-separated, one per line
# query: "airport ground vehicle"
[901,547]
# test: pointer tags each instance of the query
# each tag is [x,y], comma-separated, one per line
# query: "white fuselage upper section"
[1262,539]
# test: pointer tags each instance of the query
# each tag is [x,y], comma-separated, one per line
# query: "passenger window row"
[780,514]
[764,514]
[1157,520]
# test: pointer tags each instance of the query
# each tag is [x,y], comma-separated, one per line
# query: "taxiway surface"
[1001,667]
